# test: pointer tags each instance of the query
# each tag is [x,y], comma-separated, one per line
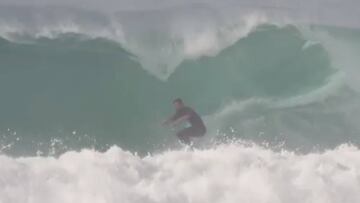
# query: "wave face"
[275,84]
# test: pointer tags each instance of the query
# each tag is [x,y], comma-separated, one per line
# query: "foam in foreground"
[227,173]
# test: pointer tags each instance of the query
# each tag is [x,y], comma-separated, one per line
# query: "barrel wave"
[83,95]
[73,86]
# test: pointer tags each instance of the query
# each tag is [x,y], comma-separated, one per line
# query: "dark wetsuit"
[197,127]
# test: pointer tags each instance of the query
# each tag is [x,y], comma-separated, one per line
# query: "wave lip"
[161,39]
[227,173]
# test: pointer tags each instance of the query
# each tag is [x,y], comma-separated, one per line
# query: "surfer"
[182,114]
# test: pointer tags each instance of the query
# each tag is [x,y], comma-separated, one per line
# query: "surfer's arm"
[175,120]
[169,121]
[180,120]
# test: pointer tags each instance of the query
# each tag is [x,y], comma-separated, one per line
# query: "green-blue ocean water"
[73,91]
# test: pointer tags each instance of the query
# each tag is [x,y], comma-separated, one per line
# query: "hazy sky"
[343,5]
[337,12]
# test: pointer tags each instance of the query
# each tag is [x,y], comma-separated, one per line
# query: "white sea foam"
[163,48]
[227,173]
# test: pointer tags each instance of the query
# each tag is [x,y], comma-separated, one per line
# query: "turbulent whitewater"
[84,89]
[229,173]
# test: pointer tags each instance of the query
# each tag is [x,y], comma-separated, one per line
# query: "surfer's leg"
[184,135]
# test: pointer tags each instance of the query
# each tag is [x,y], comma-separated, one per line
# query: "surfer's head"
[178,103]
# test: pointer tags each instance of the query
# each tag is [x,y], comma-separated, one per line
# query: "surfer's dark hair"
[178,100]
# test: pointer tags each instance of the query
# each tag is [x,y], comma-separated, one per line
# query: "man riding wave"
[182,114]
